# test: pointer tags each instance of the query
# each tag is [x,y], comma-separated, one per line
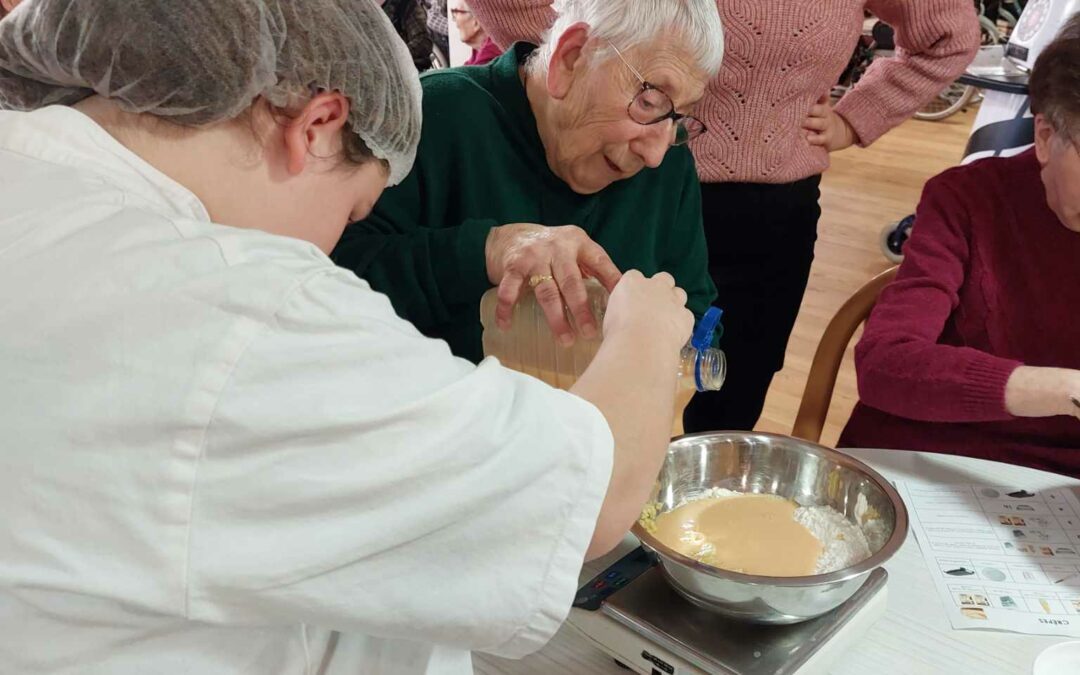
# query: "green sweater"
[481,164]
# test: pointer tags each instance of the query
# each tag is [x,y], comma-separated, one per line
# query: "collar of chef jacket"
[65,136]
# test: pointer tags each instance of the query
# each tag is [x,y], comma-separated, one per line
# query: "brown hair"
[357,151]
[1055,82]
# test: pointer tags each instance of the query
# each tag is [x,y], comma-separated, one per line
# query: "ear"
[567,58]
[1044,139]
[8,5]
[316,132]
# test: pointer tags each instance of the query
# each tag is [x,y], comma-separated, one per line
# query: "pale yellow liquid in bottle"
[530,348]
[751,534]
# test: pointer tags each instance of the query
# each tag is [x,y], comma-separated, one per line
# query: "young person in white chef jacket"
[220,452]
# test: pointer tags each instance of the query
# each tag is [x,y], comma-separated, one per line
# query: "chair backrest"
[830,353]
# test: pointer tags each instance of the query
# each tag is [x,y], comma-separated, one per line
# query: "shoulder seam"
[255,332]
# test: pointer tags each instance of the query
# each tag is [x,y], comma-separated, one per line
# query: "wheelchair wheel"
[991,34]
[1008,18]
[955,98]
[893,237]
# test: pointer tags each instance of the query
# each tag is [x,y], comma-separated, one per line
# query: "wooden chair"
[830,353]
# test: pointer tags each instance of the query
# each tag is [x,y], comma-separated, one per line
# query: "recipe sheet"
[1002,558]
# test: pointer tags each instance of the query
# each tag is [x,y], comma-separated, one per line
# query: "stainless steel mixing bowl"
[810,475]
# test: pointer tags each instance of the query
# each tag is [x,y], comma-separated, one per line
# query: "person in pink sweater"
[975,348]
[770,134]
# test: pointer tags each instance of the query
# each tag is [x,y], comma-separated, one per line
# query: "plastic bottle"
[530,347]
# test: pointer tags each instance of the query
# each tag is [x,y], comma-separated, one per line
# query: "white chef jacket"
[220,453]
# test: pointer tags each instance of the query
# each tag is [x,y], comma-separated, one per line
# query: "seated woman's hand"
[650,312]
[555,261]
[1043,392]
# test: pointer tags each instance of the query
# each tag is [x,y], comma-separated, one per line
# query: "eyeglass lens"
[652,106]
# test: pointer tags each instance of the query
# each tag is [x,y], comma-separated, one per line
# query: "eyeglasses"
[652,106]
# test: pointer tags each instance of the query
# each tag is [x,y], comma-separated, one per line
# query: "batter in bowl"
[765,535]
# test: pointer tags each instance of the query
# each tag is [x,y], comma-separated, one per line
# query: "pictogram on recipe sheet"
[1003,558]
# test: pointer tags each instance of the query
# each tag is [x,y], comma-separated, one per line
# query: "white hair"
[627,23]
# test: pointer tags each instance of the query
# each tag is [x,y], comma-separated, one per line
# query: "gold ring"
[537,279]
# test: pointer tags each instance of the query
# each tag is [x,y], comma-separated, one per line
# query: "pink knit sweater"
[780,57]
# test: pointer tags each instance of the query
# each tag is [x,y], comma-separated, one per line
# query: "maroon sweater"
[990,281]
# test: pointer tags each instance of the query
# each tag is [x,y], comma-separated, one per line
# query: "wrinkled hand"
[518,252]
[649,311]
[827,129]
[1043,392]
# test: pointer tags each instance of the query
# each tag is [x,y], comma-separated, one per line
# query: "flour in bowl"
[844,542]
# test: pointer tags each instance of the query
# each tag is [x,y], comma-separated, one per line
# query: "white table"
[913,638]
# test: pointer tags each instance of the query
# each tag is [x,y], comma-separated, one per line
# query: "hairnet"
[196,62]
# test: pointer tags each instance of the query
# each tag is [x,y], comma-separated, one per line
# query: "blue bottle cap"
[706,328]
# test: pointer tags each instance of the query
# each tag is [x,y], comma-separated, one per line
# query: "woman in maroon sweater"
[975,348]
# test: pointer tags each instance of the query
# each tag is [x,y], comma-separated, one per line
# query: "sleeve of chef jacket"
[357,477]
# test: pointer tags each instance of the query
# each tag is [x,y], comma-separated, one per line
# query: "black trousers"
[761,245]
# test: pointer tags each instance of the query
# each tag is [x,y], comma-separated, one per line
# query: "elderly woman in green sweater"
[550,165]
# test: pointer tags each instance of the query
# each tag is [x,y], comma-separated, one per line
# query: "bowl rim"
[887,551]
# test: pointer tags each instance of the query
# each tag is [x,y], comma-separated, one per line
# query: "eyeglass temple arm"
[622,58]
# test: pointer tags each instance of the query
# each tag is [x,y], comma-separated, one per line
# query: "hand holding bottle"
[554,262]
[651,312]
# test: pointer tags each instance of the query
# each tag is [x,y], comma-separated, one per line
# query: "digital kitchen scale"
[630,612]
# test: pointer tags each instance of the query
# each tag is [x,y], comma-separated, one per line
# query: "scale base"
[704,643]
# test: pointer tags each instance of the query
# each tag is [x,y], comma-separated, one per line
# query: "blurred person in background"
[409,18]
[438,23]
[771,132]
[484,49]
[975,348]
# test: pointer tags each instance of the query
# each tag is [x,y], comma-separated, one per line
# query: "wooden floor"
[863,191]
